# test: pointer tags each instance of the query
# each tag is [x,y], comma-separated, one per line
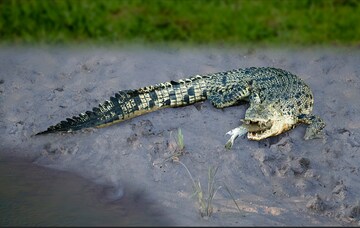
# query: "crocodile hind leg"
[225,96]
[316,124]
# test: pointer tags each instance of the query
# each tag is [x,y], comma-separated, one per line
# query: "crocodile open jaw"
[256,128]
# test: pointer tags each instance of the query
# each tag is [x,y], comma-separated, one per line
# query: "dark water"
[35,196]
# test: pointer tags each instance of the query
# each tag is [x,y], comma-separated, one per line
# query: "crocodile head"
[265,120]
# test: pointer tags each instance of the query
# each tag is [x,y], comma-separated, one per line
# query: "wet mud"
[283,180]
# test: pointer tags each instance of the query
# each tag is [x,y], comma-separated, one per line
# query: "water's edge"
[32,195]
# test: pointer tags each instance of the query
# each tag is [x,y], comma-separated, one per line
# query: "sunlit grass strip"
[187,21]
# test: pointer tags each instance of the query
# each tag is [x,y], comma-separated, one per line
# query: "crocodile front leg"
[316,124]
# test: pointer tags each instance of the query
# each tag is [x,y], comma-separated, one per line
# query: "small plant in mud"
[205,203]
[176,148]
[180,140]
[180,146]
[205,200]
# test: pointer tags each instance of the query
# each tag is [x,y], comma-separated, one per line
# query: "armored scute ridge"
[278,101]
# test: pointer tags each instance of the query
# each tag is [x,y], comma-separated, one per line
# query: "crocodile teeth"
[257,134]
[257,126]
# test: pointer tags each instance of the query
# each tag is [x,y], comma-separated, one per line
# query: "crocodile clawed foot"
[236,132]
[313,135]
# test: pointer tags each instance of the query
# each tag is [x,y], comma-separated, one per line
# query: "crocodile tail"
[128,104]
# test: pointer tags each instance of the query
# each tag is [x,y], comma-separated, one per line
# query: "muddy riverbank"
[283,180]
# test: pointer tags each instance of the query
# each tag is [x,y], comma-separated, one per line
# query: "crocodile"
[278,101]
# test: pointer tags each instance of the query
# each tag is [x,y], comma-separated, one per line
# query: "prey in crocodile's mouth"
[256,128]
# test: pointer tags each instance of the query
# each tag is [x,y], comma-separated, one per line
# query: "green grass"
[204,202]
[205,199]
[303,22]
[180,140]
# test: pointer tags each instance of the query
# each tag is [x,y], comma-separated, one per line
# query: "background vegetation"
[302,22]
